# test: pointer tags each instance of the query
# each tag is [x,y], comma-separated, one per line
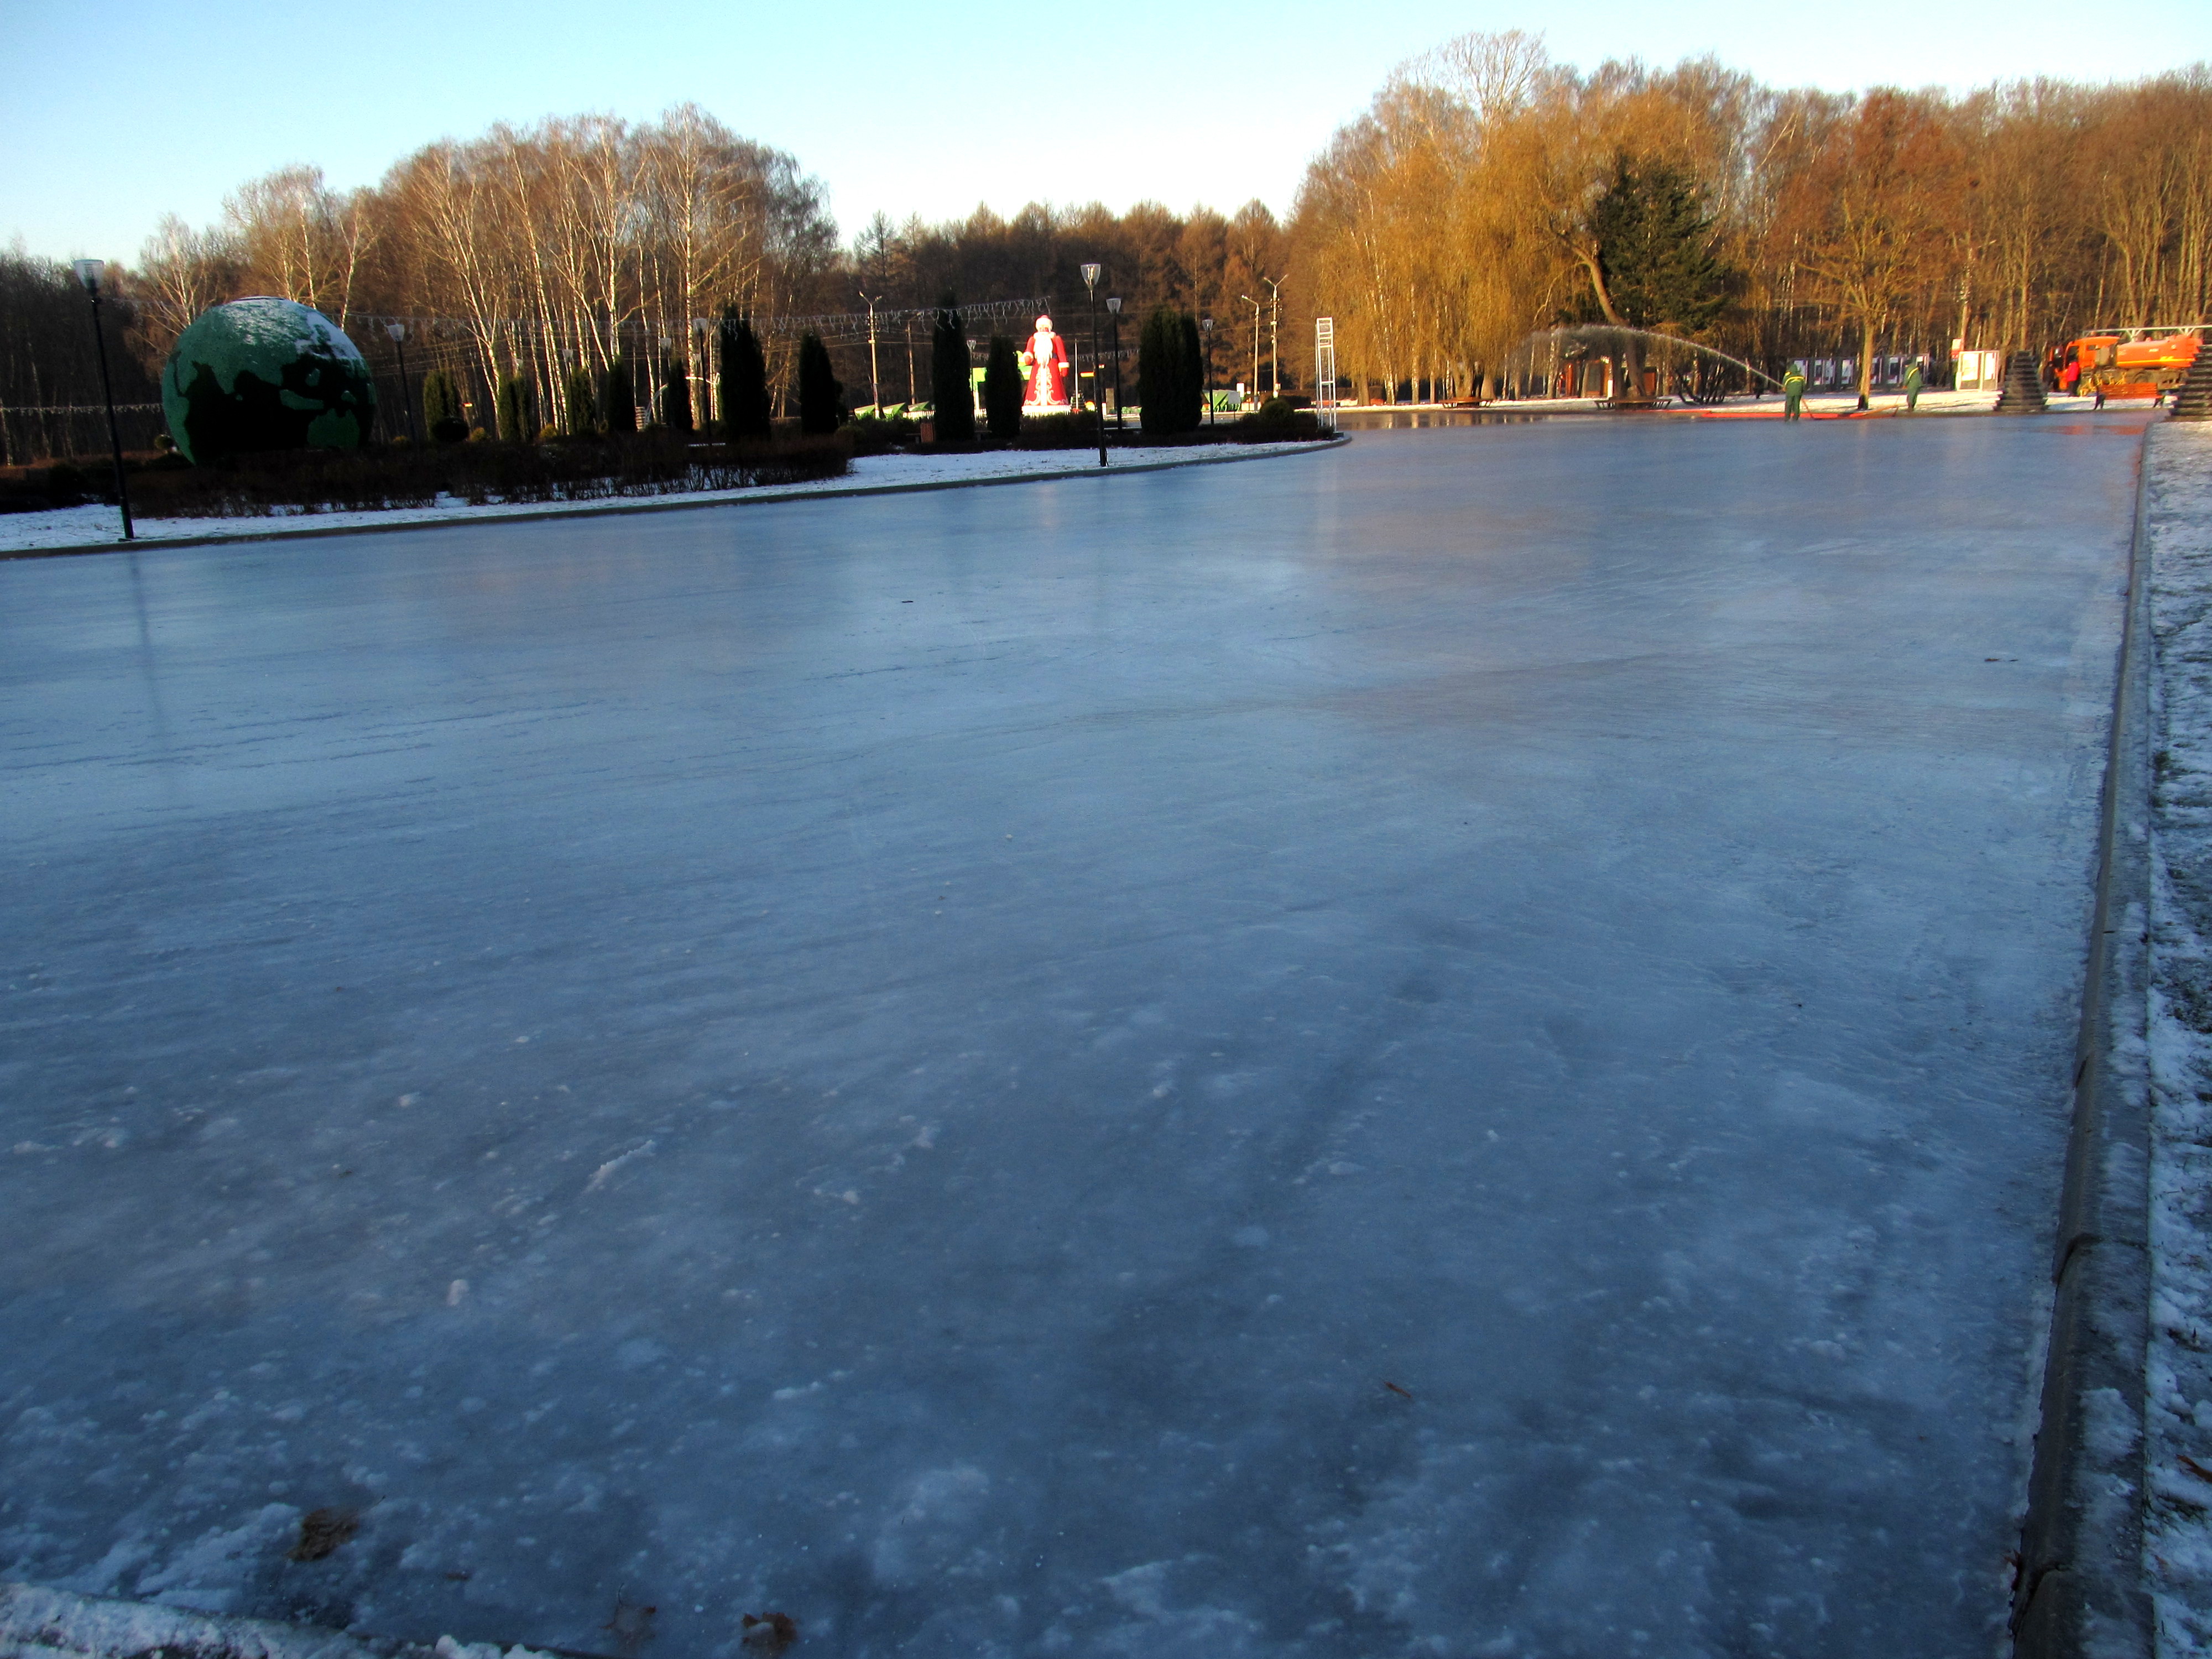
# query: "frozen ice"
[1457,1046]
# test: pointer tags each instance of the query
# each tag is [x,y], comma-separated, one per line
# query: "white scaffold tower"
[1325,371]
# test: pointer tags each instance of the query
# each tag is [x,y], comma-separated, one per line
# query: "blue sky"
[118,112]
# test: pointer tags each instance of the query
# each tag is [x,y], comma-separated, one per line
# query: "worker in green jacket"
[1793,393]
[1913,382]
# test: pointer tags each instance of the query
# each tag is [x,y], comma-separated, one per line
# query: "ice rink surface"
[1453,1047]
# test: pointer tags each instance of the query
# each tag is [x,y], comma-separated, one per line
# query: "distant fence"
[55,432]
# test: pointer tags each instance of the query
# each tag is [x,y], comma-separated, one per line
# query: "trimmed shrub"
[821,398]
[1003,390]
[619,412]
[518,410]
[583,400]
[1193,401]
[441,407]
[676,394]
[744,387]
[1170,372]
[950,385]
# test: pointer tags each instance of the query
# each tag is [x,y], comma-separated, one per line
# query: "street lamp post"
[1206,344]
[398,334]
[1274,316]
[1090,284]
[1256,309]
[89,271]
[1113,322]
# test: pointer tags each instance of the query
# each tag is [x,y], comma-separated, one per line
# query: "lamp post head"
[397,332]
[1114,304]
[89,271]
[1206,322]
[1091,278]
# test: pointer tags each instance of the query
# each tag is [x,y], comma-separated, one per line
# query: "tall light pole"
[89,271]
[1256,309]
[1274,316]
[875,381]
[1113,322]
[1090,283]
[398,333]
[1206,344]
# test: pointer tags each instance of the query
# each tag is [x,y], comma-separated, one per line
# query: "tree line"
[1489,193]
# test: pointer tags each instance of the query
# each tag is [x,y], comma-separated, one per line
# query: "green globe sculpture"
[264,373]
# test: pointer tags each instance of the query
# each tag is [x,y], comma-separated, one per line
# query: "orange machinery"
[2131,362]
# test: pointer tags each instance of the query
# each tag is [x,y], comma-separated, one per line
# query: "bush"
[952,387]
[582,399]
[744,387]
[347,481]
[1169,373]
[676,394]
[441,407]
[518,410]
[618,414]
[821,398]
[1003,390]
[1278,418]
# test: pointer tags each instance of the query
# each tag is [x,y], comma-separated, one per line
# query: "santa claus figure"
[1045,362]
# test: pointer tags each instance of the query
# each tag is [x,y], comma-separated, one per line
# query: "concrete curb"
[609,509]
[36,1623]
[2079,1592]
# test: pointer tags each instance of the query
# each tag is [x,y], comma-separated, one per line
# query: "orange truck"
[2129,362]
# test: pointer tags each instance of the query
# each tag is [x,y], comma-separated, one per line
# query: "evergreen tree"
[443,412]
[1003,390]
[744,381]
[676,394]
[583,403]
[518,410]
[1170,377]
[1158,348]
[1656,246]
[821,397]
[620,397]
[950,384]
[1193,399]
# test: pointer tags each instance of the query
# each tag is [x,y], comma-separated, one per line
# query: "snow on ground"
[2178,1528]
[79,526]
[36,1623]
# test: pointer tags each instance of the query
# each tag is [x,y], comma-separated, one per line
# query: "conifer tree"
[1191,391]
[581,415]
[442,407]
[821,397]
[1656,244]
[1003,390]
[676,394]
[744,381]
[1158,348]
[951,382]
[620,397]
[1170,377]
[518,410]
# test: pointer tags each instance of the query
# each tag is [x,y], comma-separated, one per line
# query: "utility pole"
[875,381]
[1274,316]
